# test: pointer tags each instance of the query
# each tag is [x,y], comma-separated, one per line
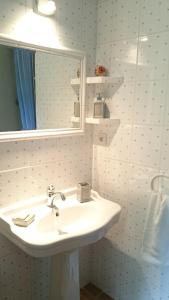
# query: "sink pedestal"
[65,276]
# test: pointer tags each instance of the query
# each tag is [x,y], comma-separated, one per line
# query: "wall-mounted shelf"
[94,121]
[98,80]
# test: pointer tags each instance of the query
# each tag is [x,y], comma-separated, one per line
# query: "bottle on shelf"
[77,107]
[99,107]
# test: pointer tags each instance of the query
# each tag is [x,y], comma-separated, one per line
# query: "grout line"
[149,34]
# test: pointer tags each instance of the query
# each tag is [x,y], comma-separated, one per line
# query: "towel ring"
[154,178]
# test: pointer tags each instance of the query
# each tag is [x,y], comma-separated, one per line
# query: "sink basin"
[77,225]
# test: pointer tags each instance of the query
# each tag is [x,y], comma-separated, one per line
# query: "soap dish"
[24,221]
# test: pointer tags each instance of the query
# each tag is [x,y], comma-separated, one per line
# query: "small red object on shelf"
[100,71]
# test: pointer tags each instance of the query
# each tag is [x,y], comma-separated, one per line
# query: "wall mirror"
[37,97]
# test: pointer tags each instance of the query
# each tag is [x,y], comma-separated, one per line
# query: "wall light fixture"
[45,7]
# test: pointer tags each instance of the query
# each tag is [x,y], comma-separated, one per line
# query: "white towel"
[156,235]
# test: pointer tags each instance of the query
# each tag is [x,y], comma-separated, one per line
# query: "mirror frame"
[48,133]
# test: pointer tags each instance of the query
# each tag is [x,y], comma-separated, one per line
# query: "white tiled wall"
[132,42]
[26,168]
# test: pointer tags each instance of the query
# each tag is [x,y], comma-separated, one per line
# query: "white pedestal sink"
[78,224]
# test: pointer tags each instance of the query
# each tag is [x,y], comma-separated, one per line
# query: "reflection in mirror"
[55,96]
[36,91]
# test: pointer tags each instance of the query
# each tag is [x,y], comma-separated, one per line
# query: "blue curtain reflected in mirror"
[24,61]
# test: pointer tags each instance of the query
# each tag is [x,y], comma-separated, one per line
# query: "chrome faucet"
[52,196]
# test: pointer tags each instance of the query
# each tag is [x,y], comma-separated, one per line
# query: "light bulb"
[47,7]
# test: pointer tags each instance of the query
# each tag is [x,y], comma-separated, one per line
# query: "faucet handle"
[50,190]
